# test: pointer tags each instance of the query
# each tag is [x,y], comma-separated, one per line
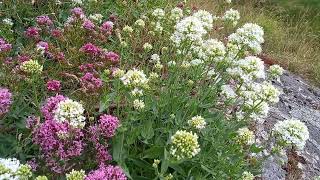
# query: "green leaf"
[105,102]
[165,162]
[154,152]
[147,130]
[117,148]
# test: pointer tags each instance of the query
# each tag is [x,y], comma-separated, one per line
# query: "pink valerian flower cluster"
[43,46]
[50,106]
[56,33]
[90,83]
[107,173]
[5,100]
[23,58]
[108,125]
[107,27]
[32,32]
[105,129]
[90,49]
[32,122]
[54,85]
[111,56]
[44,20]
[4,46]
[77,12]
[88,25]
[33,164]
[102,153]
[59,143]
[87,67]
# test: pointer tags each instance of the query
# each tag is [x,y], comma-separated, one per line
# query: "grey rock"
[301,101]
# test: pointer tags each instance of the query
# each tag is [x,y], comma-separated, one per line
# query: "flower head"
[245,136]
[108,125]
[90,48]
[291,132]
[76,175]
[197,122]
[71,112]
[107,172]
[107,26]
[138,104]
[54,85]
[140,23]
[135,78]
[184,145]
[5,100]
[32,32]
[31,67]
[44,20]
[247,176]
[90,83]
[158,13]
[275,71]
[231,16]
[4,46]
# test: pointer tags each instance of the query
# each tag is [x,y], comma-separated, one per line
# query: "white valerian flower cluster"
[231,16]
[140,23]
[249,37]
[158,13]
[247,176]
[138,104]
[135,78]
[211,50]
[11,169]
[71,112]
[184,145]
[291,132]
[176,14]
[188,29]
[228,92]
[251,67]
[155,58]
[206,19]
[197,122]
[147,47]
[275,71]
[77,2]
[76,175]
[31,67]
[96,17]
[7,21]
[245,136]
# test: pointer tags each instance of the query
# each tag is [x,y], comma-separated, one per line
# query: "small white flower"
[155,58]
[184,145]
[275,71]
[147,47]
[158,13]
[96,17]
[138,104]
[291,132]
[228,92]
[134,78]
[197,122]
[176,14]
[7,21]
[231,16]
[70,111]
[245,136]
[140,23]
